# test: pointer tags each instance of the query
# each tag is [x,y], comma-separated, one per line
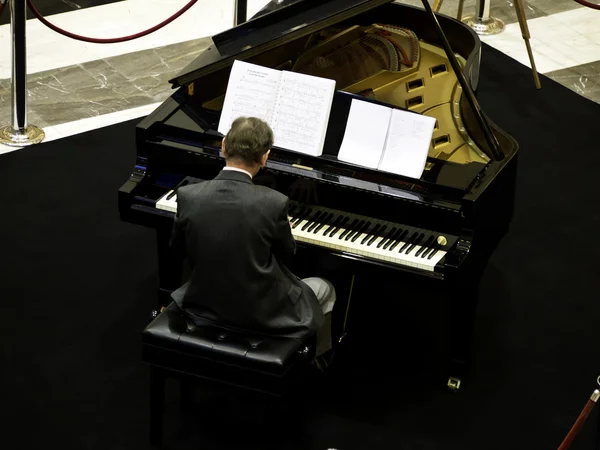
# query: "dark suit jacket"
[237,239]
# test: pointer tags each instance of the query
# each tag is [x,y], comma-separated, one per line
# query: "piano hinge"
[191,89]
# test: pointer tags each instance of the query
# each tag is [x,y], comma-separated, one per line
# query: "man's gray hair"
[248,139]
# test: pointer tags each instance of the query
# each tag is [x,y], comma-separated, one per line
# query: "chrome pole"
[482,22]
[19,133]
[240,12]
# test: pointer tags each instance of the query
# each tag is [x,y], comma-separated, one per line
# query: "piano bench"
[173,346]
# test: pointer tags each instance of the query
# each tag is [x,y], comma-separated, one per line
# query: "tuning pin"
[441,240]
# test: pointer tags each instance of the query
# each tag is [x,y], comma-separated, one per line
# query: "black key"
[355,229]
[376,235]
[349,229]
[302,217]
[399,239]
[317,221]
[323,222]
[415,243]
[427,252]
[373,231]
[425,246]
[392,238]
[334,224]
[409,241]
[341,224]
[435,250]
[364,228]
[312,218]
[387,237]
[299,217]
[298,213]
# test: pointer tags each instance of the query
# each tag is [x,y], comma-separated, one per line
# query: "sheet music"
[366,130]
[407,145]
[302,112]
[251,91]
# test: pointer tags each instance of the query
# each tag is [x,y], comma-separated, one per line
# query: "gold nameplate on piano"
[302,167]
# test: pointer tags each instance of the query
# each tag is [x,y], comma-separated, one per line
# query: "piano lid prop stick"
[467,91]
[526,36]
[459,13]
[437,5]
[587,409]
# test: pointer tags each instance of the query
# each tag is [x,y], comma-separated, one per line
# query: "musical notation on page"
[382,138]
[251,92]
[302,112]
[295,105]
[407,143]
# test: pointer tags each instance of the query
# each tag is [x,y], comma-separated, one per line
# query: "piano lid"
[280,22]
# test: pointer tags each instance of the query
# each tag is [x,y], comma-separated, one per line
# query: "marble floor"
[75,86]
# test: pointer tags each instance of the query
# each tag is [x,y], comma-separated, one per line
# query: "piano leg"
[463,297]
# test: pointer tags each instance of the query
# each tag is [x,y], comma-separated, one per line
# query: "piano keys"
[441,228]
[352,234]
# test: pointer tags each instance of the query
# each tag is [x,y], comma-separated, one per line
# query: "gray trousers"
[325,293]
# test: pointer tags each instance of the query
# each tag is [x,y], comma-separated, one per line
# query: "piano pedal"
[454,384]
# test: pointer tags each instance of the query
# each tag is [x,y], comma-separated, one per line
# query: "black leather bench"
[173,346]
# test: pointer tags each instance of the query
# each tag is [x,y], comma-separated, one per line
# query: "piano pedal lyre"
[454,384]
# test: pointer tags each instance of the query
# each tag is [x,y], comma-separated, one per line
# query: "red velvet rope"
[37,14]
[588,4]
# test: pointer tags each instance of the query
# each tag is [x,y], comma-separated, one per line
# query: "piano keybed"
[358,235]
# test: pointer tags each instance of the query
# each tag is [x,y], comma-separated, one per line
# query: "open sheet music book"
[296,106]
[387,139]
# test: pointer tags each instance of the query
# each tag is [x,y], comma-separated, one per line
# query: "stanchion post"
[19,133]
[241,12]
[482,22]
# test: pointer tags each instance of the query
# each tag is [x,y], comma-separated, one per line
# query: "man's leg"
[325,293]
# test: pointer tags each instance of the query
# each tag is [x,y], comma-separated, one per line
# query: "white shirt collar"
[236,169]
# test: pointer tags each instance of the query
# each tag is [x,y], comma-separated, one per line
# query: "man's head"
[247,144]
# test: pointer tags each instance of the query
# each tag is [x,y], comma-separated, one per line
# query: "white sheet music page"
[407,145]
[364,138]
[251,92]
[302,112]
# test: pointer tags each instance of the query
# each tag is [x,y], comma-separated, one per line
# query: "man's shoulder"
[270,195]
[190,190]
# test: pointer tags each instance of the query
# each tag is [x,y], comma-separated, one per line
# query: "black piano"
[440,229]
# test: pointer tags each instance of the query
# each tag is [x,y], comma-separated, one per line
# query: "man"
[237,238]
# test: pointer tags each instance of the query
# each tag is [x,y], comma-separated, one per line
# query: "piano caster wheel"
[454,384]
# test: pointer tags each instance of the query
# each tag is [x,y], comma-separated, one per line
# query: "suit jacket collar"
[233,175]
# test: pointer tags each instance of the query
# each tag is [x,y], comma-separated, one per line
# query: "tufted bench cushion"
[174,342]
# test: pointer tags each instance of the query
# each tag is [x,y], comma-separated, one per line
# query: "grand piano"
[440,229]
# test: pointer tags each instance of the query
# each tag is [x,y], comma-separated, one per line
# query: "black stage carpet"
[50,7]
[77,286]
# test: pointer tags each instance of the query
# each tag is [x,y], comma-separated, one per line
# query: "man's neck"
[244,167]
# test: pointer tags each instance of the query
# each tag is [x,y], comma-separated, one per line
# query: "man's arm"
[284,245]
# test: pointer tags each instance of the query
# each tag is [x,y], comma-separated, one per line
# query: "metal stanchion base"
[484,27]
[20,138]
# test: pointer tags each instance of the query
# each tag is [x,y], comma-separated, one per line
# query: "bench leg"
[157,403]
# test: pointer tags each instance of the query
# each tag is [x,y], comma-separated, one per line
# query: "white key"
[167,204]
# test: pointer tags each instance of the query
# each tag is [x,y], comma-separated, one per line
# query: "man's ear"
[223,146]
[264,158]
